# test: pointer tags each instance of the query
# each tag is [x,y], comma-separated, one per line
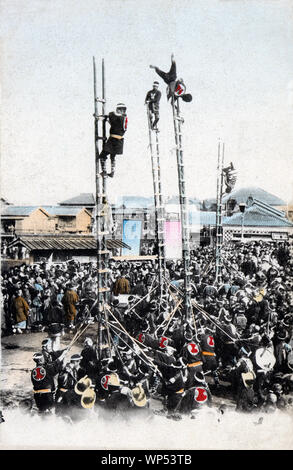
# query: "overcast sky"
[236,57]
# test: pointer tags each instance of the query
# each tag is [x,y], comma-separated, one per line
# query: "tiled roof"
[258,217]
[18,211]
[64,243]
[24,211]
[267,207]
[62,210]
[241,195]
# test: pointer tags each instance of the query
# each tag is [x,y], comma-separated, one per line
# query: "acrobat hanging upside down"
[114,144]
[176,87]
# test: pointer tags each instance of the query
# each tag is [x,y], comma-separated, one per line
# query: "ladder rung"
[100,100]
[103,233]
[104,270]
[103,252]
[104,289]
[101,213]
[101,138]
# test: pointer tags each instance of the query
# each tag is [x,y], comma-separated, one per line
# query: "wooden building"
[20,220]
[58,248]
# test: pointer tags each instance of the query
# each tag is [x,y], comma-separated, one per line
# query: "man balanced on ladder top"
[176,87]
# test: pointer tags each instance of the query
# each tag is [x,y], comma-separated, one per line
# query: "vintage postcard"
[146,226]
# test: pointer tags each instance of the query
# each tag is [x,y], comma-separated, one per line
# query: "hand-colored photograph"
[146,225]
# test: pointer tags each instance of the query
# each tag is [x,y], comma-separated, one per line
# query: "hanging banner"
[173,240]
[132,236]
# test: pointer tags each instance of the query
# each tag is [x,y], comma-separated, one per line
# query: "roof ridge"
[244,191]
[268,207]
[270,212]
[258,210]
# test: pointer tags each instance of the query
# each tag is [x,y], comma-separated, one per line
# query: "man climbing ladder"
[114,144]
[153,101]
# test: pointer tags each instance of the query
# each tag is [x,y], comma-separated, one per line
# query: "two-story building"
[19,220]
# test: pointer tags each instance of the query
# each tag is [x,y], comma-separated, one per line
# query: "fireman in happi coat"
[42,378]
[209,358]
[153,101]
[230,176]
[197,396]
[192,357]
[114,145]
[176,87]
[67,380]
[172,378]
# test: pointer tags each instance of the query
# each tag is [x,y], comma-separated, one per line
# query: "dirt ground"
[17,362]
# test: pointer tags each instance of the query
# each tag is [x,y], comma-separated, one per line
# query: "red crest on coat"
[211,341]
[200,395]
[104,382]
[193,348]
[39,373]
[163,342]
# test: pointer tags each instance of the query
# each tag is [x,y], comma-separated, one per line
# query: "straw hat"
[82,385]
[138,396]
[88,398]
[248,378]
[114,380]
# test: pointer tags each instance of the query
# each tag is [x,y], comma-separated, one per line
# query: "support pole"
[177,119]
[159,206]
[161,218]
[101,208]
[219,226]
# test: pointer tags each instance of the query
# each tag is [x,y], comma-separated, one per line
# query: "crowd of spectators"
[249,308]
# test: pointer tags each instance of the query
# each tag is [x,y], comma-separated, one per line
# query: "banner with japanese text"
[132,236]
[173,240]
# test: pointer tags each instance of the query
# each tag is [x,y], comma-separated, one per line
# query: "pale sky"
[236,58]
